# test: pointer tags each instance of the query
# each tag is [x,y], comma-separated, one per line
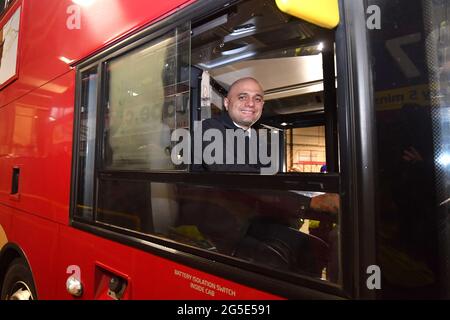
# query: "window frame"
[76,145]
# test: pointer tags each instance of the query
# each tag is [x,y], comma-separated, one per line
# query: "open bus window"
[302,121]
[284,55]
[268,226]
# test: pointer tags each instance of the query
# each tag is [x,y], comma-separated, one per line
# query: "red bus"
[93,204]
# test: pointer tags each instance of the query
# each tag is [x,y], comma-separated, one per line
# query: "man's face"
[244,102]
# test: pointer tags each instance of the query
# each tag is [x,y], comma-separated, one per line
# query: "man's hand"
[328,202]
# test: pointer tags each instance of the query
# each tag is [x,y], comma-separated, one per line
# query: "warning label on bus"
[203,285]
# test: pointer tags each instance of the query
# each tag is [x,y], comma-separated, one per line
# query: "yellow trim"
[324,13]
[3,238]
[395,98]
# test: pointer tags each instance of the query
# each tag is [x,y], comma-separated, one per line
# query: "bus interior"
[285,55]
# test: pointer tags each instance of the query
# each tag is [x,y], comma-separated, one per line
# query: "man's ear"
[226,102]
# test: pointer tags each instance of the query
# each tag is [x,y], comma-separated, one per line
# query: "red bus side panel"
[56,33]
[149,276]
[38,239]
[38,141]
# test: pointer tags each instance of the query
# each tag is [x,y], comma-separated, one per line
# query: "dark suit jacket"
[223,123]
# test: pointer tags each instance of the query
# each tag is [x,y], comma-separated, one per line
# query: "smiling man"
[244,105]
[244,102]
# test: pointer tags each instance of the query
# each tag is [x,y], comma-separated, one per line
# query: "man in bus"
[244,106]
[235,220]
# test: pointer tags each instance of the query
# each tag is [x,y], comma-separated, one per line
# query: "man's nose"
[250,102]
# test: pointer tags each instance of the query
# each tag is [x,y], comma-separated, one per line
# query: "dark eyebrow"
[256,95]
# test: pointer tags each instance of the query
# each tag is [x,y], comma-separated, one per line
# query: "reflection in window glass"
[411,101]
[148,99]
[265,227]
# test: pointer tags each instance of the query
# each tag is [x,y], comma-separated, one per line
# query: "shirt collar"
[229,123]
[247,131]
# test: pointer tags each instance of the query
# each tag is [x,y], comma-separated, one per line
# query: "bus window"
[153,91]
[148,91]
[147,99]
[284,55]
[260,226]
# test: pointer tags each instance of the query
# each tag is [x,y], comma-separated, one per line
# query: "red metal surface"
[149,276]
[46,40]
[40,143]
[38,238]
